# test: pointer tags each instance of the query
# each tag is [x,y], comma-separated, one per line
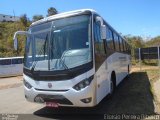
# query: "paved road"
[13,102]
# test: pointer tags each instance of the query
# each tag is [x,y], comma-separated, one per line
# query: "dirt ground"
[136,68]
[153,73]
[10,82]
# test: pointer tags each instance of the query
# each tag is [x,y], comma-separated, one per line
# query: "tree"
[37,17]
[154,42]
[52,11]
[24,19]
[135,41]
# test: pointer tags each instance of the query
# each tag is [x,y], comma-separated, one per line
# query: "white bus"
[73,59]
[11,66]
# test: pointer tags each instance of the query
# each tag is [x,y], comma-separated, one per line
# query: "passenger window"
[110,42]
[99,44]
[116,41]
[125,48]
[121,44]
[100,54]
[17,61]
[5,62]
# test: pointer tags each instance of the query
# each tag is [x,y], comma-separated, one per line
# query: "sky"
[134,17]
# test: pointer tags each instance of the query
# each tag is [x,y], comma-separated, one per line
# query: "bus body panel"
[11,70]
[115,63]
[11,66]
[103,82]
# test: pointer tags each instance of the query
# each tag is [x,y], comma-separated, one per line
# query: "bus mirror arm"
[16,39]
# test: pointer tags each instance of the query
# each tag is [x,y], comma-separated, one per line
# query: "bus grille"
[54,98]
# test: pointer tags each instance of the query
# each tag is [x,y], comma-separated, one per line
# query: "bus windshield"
[60,44]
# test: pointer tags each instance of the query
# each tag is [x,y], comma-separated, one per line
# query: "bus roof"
[61,15]
[70,13]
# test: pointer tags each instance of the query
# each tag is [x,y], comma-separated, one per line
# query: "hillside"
[7,30]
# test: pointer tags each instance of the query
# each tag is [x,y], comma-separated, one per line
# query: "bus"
[11,66]
[73,59]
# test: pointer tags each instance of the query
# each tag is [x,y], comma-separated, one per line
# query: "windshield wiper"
[52,47]
[39,53]
[61,59]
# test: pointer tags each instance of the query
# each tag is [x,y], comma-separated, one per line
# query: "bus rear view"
[59,61]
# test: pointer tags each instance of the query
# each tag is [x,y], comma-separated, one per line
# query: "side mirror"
[103,32]
[15,38]
[103,28]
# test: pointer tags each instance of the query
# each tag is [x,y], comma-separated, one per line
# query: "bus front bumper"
[71,97]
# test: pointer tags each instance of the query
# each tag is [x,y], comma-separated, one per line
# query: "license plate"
[52,104]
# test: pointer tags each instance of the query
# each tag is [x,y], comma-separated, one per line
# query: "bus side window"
[116,40]
[99,44]
[121,44]
[125,49]
[110,42]
[100,54]
[5,62]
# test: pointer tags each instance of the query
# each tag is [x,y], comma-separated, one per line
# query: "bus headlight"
[84,83]
[29,86]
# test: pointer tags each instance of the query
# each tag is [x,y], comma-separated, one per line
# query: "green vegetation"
[37,17]
[153,42]
[7,30]
[139,42]
[52,11]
